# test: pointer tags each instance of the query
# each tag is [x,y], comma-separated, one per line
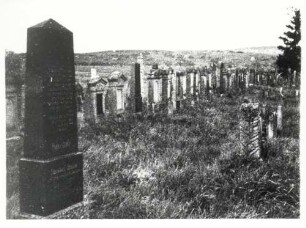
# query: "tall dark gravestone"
[51,171]
[138,98]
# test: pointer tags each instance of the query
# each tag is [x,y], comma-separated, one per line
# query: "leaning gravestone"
[51,171]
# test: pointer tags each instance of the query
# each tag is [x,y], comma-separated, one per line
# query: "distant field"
[238,58]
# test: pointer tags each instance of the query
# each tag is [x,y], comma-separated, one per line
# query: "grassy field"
[187,167]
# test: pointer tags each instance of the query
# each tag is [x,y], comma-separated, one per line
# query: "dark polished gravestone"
[51,171]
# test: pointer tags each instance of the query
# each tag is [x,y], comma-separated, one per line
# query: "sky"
[100,25]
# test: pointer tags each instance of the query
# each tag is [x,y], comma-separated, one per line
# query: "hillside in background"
[121,60]
[264,57]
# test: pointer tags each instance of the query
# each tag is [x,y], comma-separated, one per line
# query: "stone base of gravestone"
[47,186]
[178,105]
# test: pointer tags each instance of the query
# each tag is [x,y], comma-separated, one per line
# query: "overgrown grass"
[187,167]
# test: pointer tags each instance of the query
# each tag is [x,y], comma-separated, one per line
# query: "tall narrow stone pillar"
[51,171]
[138,93]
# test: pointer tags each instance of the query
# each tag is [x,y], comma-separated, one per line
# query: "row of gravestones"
[259,124]
[51,170]
[161,90]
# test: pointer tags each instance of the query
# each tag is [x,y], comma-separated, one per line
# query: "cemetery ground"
[185,166]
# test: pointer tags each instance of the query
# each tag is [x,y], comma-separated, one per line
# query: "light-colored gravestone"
[51,171]
[209,81]
[191,75]
[197,83]
[156,93]
[115,99]
[294,78]
[11,116]
[14,94]
[270,119]
[181,89]
[279,120]
[231,80]
[271,126]
[218,76]
[93,73]
[247,80]
[250,129]
[225,82]
[155,88]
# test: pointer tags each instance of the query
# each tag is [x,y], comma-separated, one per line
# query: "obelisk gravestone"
[51,171]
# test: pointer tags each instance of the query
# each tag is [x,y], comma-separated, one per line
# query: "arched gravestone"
[51,172]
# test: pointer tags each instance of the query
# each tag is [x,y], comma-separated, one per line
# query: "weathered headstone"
[271,126]
[216,77]
[51,171]
[14,91]
[115,99]
[94,101]
[191,75]
[197,83]
[209,84]
[247,80]
[156,91]
[250,129]
[225,83]
[279,120]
